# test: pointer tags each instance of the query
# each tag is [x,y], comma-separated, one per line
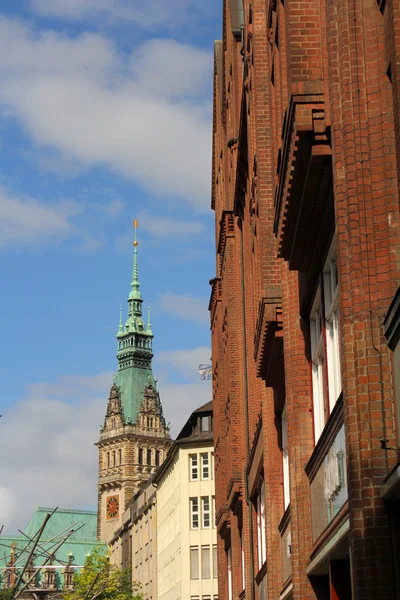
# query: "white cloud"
[185,306]
[149,15]
[186,361]
[26,221]
[48,440]
[91,105]
[166,227]
[180,400]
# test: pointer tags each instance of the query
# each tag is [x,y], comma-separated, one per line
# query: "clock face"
[112,507]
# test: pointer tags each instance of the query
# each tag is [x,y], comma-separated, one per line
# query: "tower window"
[140,456]
[108,459]
[120,457]
[149,457]
[114,463]
[157,458]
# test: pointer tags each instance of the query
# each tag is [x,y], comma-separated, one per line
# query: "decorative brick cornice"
[268,327]
[234,491]
[215,297]
[303,172]
[227,229]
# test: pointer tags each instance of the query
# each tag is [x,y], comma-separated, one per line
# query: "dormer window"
[204,424]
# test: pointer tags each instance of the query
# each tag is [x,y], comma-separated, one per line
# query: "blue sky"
[105,116]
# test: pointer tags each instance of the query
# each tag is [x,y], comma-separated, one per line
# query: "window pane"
[194,467]
[194,562]
[205,562]
[204,424]
[205,468]
[194,513]
[206,511]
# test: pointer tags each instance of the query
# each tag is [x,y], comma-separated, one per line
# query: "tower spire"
[149,320]
[135,275]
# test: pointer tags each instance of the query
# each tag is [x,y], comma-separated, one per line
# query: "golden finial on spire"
[135,226]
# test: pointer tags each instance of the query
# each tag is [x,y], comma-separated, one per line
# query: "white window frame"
[261,538]
[194,467]
[194,513]
[212,466]
[242,558]
[331,302]
[205,512]
[213,517]
[285,459]
[205,465]
[229,561]
[317,359]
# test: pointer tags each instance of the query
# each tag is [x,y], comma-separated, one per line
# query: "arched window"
[149,457]
[140,456]
[108,459]
[120,457]
[114,458]
[158,458]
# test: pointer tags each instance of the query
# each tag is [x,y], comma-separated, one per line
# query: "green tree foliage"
[100,580]
[5,594]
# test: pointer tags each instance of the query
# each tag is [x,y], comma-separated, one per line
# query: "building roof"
[190,434]
[79,544]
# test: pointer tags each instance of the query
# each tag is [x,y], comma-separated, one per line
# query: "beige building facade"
[186,534]
[134,545]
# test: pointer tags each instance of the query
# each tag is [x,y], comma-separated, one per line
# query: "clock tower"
[134,439]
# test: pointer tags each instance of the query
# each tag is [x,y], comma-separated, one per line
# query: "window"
[204,424]
[261,541]
[331,306]
[157,458]
[212,466]
[140,456]
[194,467]
[205,562]
[194,513]
[108,459]
[317,359]
[213,512]
[149,457]
[205,465]
[325,353]
[205,509]
[215,562]
[194,562]
[120,457]
[285,457]
[113,454]
[229,560]
[242,558]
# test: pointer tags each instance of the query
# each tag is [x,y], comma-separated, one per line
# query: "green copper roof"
[134,350]
[79,544]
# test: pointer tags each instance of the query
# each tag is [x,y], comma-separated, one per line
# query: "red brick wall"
[327,61]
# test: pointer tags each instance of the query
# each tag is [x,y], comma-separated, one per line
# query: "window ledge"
[283,525]
[391,486]
[261,573]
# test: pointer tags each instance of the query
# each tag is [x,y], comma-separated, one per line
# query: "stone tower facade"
[134,439]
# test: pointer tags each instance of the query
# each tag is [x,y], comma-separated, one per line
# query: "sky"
[105,117]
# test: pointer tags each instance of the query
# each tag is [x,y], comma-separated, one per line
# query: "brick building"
[305,318]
